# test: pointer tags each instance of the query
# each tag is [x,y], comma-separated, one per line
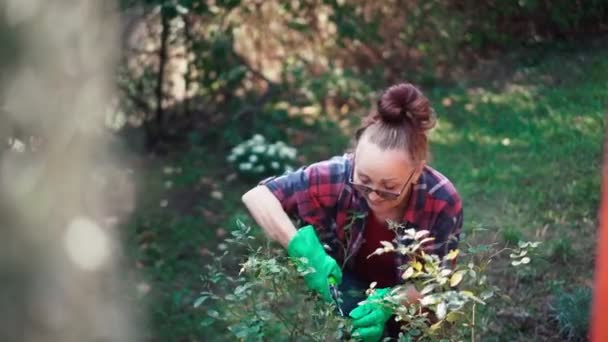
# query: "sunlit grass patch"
[526,158]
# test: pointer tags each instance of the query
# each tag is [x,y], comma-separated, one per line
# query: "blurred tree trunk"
[162,62]
[60,280]
[189,39]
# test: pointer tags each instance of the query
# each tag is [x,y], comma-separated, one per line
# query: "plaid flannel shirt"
[320,195]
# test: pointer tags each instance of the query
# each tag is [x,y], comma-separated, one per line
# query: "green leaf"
[470,295]
[428,289]
[408,273]
[441,310]
[207,321]
[212,313]
[486,294]
[200,300]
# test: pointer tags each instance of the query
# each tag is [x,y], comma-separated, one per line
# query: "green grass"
[526,158]
[571,310]
[525,154]
[171,243]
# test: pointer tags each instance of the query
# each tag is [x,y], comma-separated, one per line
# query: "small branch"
[255,72]
[137,101]
[162,61]
[285,320]
[188,46]
[473,323]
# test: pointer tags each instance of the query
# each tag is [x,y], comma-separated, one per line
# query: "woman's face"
[384,177]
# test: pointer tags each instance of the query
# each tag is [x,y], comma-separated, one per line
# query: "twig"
[347,235]
[137,101]
[473,323]
[285,320]
[162,61]
[188,45]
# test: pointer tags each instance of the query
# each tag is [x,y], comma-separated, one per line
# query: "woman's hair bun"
[404,102]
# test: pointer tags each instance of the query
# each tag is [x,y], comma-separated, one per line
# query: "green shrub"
[268,300]
[511,235]
[561,250]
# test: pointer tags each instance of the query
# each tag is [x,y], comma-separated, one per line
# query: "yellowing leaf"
[425,240]
[417,265]
[452,317]
[452,255]
[435,326]
[456,278]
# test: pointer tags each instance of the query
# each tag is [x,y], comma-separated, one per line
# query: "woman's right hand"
[306,244]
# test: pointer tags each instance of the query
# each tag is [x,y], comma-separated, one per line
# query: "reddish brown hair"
[401,120]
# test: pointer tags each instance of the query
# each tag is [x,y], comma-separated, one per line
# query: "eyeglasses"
[387,195]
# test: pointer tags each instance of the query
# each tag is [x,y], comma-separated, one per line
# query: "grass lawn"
[523,150]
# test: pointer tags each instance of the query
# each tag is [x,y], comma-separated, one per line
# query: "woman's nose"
[373,196]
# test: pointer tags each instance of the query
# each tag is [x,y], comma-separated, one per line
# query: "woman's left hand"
[370,317]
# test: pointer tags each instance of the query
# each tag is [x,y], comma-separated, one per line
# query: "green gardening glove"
[370,317]
[306,244]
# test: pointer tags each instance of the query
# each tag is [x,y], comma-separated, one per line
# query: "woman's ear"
[421,165]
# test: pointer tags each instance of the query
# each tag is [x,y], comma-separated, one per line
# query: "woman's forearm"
[269,214]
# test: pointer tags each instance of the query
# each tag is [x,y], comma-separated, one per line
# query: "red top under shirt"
[378,268]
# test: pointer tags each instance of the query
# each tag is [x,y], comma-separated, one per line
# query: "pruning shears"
[335,293]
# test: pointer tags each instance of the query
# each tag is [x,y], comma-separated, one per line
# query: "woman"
[386,178]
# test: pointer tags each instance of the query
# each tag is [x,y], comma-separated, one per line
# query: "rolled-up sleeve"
[308,192]
[447,227]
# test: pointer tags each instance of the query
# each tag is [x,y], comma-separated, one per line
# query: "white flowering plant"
[449,291]
[258,158]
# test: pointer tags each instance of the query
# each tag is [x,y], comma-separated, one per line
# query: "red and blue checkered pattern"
[320,194]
